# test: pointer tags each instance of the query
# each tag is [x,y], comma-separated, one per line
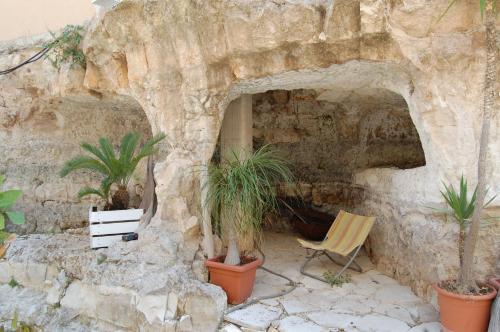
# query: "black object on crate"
[130,237]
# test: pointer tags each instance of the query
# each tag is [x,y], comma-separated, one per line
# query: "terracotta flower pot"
[464,313]
[236,281]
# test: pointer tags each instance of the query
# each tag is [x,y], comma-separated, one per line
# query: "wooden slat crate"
[107,227]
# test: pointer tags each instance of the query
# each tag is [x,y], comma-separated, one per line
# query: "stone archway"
[184,63]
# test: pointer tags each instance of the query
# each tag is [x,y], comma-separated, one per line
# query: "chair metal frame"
[318,253]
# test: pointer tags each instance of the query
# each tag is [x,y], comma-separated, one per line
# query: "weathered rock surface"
[44,116]
[184,72]
[126,293]
[328,136]
[184,61]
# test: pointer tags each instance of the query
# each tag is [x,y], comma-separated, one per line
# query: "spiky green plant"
[241,190]
[461,207]
[7,200]
[488,9]
[114,169]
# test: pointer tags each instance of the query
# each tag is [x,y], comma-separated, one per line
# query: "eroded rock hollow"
[182,63]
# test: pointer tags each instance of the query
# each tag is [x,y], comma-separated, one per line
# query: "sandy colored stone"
[182,63]
[257,316]
[298,324]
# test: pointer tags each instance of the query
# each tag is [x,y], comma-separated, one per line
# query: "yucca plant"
[241,190]
[461,207]
[114,169]
[488,9]
[7,200]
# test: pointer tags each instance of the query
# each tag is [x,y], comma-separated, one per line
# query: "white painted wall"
[20,18]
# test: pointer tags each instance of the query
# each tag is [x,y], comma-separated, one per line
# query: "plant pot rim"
[485,297]
[214,262]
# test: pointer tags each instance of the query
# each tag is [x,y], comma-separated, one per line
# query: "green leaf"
[85,191]
[13,324]
[2,179]
[8,198]
[482,6]
[96,152]
[127,147]
[241,191]
[148,148]
[82,162]
[17,218]
[2,221]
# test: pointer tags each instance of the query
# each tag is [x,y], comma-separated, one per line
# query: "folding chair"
[346,236]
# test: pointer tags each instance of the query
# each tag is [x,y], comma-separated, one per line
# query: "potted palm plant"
[240,192]
[463,309]
[116,219]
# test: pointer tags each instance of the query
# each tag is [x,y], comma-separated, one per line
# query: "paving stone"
[312,283]
[383,279]
[348,306]
[365,279]
[264,289]
[365,263]
[257,316]
[298,324]
[427,327]
[333,320]
[271,302]
[365,289]
[397,294]
[379,323]
[424,313]
[395,311]
[230,328]
[302,300]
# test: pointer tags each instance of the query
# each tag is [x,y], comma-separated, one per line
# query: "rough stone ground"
[370,302]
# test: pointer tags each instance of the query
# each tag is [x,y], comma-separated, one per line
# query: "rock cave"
[373,103]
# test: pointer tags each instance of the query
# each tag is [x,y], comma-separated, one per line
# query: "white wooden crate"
[107,227]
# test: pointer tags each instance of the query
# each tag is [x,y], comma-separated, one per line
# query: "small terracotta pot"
[236,281]
[464,313]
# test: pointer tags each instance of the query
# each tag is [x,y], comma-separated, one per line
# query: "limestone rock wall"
[44,116]
[184,61]
[329,137]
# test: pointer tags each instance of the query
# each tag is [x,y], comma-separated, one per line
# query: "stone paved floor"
[371,302]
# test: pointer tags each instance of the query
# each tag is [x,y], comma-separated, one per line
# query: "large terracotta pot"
[464,313]
[236,281]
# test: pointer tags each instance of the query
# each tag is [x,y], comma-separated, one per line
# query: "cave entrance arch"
[330,135]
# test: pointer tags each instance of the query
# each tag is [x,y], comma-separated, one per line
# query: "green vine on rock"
[65,48]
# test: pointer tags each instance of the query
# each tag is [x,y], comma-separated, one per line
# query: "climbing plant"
[65,47]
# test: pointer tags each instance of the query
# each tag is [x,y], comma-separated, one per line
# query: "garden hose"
[34,58]
[292,283]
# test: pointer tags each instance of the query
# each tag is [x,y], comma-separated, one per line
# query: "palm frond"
[149,147]
[105,162]
[98,153]
[82,162]
[127,147]
[107,148]
[85,191]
